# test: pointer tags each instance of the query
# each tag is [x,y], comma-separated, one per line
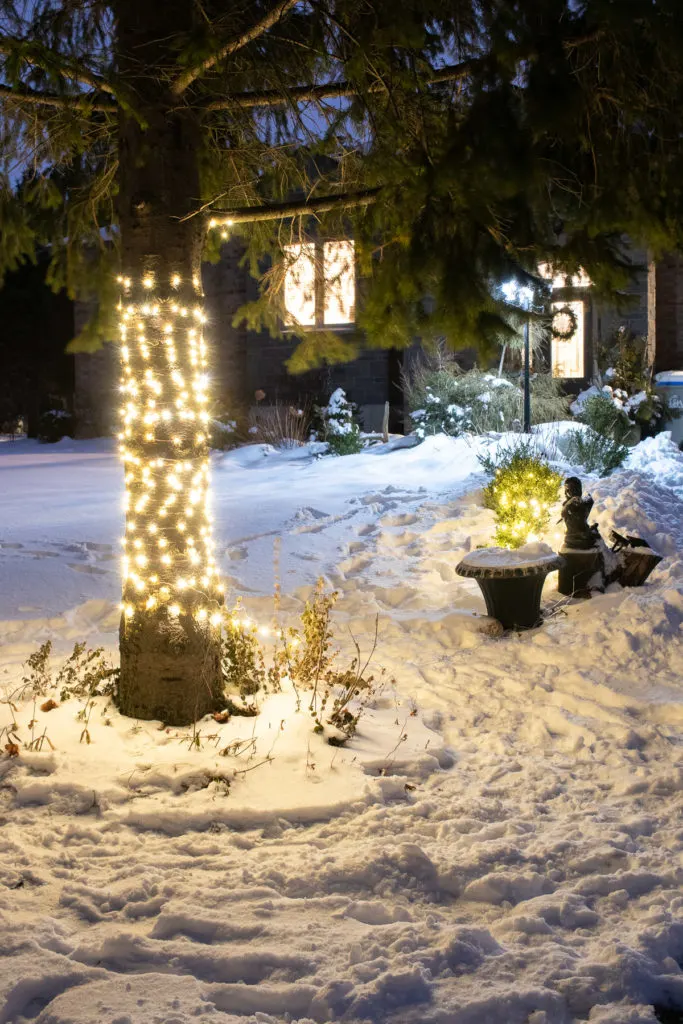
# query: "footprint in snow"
[401,519]
[307,512]
[237,554]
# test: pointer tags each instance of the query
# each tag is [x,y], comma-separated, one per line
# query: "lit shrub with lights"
[521,493]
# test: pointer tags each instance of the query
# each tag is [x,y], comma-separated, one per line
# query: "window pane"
[580,280]
[300,284]
[567,356]
[340,282]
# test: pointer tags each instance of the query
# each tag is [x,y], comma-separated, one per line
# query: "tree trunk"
[170,623]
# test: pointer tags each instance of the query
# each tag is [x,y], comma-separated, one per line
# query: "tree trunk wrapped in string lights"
[172,597]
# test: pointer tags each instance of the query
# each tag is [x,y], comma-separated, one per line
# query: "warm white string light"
[168,561]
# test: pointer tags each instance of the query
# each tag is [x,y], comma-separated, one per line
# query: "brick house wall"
[668,288]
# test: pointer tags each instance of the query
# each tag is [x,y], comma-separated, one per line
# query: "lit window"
[580,280]
[567,355]
[320,284]
[300,284]
[340,282]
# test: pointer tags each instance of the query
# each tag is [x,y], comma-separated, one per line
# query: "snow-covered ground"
[515,859]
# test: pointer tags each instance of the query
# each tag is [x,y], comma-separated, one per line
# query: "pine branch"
[332,91]
[82,101]
[192,73]
[284,211]
[51,60]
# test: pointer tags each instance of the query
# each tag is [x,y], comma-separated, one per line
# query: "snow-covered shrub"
[437,418]
[521,493]
[626,379]
[484,401]
[223,433]
[605,416]
[593,451]
[53,425]
[339,427]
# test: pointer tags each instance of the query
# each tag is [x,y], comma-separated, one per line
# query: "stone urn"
[511,582]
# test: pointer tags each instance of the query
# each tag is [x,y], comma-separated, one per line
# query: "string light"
[168,567]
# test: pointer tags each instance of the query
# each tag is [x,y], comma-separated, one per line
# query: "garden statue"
[589,565]
[584,563]
[579,535]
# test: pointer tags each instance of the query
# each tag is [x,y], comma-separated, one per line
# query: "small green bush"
[54,425]
[592,450]
[521,493]
[605,418]
[346,444]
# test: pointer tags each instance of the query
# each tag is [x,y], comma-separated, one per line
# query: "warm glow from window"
[340,282]
[300,284]
[568,356]
[580,280]
[320,284]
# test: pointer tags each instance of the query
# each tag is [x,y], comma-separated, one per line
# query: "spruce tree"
[461,143]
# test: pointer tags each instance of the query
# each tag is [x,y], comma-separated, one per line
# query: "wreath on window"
[565,324]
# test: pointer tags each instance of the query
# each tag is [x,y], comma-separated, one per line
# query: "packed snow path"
[516,860]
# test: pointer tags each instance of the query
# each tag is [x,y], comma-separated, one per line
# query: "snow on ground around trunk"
[516,859]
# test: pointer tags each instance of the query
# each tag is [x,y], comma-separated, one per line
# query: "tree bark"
[170,628]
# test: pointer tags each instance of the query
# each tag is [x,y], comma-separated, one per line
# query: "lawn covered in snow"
[516,858]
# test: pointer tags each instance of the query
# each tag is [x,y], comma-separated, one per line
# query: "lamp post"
[522,297]
[527,383]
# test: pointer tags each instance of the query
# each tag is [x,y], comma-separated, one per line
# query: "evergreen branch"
[188,76]
[82,101]
[332,91]
[51,60]
[284,211]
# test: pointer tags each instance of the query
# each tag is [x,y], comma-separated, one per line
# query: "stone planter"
[512,592]
[580,566]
